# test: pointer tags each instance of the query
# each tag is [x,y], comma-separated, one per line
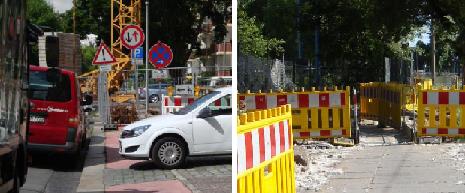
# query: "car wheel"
[154,98]
[169,153]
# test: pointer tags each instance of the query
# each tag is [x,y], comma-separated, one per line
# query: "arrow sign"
[103,55]
[132,37]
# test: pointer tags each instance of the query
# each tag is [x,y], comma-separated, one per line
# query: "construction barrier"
[386,102]
[441,113]
[172,104]
[265,154]
[315,114]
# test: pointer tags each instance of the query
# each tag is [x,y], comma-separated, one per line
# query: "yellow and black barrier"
[315,114]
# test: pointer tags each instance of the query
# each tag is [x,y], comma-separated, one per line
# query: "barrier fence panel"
[315,114]
[441,113]
[171,104]
[265,154]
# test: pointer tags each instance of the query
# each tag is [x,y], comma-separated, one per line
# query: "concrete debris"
[323,158]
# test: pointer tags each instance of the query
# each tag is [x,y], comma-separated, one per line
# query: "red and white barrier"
[258,102]
[443,98]
[260,145]
[174,103]
[443,131]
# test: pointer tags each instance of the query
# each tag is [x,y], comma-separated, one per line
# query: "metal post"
[147,57]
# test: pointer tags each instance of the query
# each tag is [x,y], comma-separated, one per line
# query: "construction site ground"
[384,162]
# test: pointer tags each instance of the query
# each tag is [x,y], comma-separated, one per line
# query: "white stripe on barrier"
[453,131]
[431,131]
[241,167]
[267,141]
[271,101]
[314,100]
[314,133]
[432,98]
[250,102]
[286,135]
[292,99]
[335,100]
[256,147]
[453,98]
[277,138]
[336,132]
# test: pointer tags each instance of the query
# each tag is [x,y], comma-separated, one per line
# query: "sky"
[61,5]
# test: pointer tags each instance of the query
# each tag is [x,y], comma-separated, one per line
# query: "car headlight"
[134,132]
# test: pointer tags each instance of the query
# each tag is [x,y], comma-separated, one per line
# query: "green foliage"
[39,12]
[88,53]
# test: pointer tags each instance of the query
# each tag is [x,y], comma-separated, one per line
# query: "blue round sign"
[160,55]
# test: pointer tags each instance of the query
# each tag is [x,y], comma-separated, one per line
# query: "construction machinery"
[123,13]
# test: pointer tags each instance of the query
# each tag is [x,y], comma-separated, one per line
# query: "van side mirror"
[205,113]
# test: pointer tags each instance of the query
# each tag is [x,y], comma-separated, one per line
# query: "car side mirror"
[205,113]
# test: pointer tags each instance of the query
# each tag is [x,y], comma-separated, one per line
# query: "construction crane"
[123,13]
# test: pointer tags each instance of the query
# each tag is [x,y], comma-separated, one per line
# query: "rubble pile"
[315,163]
[124,114]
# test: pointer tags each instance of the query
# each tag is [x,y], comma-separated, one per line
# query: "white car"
[202,128]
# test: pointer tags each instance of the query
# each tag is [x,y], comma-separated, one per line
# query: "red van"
[57,121]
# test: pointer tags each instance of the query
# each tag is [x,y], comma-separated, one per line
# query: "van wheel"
[169,153]
[17,184]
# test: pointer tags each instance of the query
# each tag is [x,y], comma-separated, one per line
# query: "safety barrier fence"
[265,155]
[315,114]
[441,113]
[385,102]
[172,104]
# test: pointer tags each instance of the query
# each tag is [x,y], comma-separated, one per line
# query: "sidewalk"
[106,171]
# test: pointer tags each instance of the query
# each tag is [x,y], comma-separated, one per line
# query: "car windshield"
[43,89]
[197,103]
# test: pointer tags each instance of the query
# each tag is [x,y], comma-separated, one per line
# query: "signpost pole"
[147,57]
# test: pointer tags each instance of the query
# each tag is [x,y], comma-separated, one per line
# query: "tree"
[39,12]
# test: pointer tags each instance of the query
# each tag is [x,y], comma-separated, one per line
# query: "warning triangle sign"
[103,55]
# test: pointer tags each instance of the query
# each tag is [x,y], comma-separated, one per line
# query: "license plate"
[37,119]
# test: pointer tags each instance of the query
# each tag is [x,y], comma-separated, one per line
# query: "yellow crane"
[123,13]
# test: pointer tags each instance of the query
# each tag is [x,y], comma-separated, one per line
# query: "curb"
[94,165]
[184,181]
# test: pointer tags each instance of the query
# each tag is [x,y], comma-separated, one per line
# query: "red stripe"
[289,132]
[261,140]
[260,102]
[344,132]
[190,100]
[444,98]
[281,136]
[177,101]
[324,99]
[425,97]
[325,133]
[443,131]
[343,99]
[462,131]
[272,140]
[423,130]
[241,98]
[281,99]
[166,101]
[248,150]
[218,103]
[303,100]
[462,98]
[304,134]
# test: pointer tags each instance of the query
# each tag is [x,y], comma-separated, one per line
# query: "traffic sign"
[138,53]
[105,68]
[132,36]
[103,55]
[160,55]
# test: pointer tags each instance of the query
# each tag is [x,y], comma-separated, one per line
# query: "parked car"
[57,119]
[155,92]
[202,128]
[13,95]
